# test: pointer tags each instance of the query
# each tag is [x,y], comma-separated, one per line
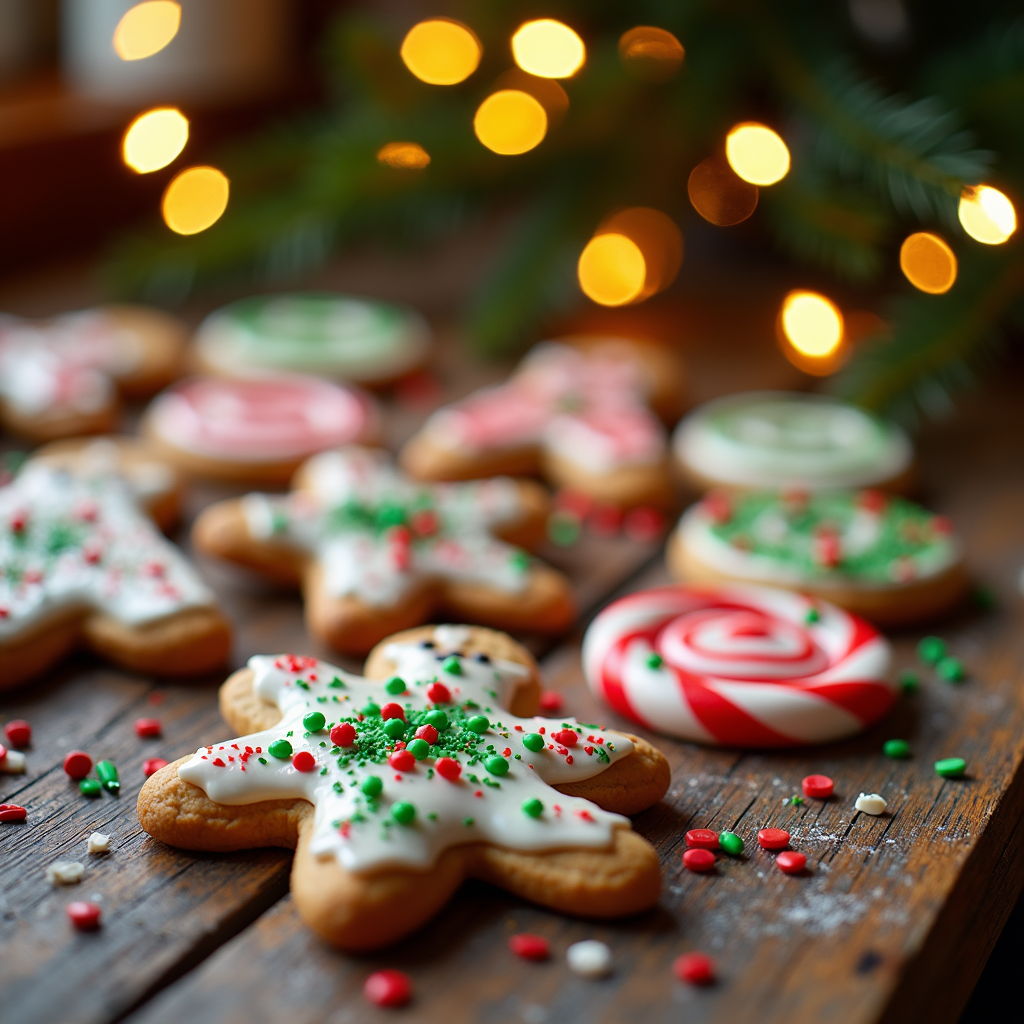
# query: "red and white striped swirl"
[740,666]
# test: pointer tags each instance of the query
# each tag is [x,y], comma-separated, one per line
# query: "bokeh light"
[548,49]
[510,122]
[611,270]
[928,263]
[154,139]
[404,156]
[546,91]
[718,194]
[659,240]
[757,154]
[146,29]
[651,54]
[812,328]
[986,214]
[441,51]
[195,199]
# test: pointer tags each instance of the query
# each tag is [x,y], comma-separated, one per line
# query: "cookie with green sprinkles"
[390,811]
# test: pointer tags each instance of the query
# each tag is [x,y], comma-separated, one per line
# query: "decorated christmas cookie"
[394,792]
[740,666]
[580,410]
[62,377]
[376,552]
[880,556]
[256,428]
[84,565]
[338,336]
[779,439]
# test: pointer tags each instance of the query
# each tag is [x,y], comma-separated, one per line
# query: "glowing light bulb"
[928,263]
[651,53]
[812,324]
[510,122]
[986,214]
[611,269]
[757,154]
[441,51]
[405,156]
[548,49]
[195,199]
[146,29]
[154,139]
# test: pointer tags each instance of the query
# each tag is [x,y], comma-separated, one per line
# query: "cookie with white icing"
[82,564]
[375,552]
[583,412]
[337,336]
[874,554]
[256,428]
[777,439]
[63,377]
[394,792]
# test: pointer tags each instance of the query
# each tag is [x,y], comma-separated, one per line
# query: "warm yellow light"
[718,194]
[510,121]
[659,240]
[987,215]
[812,324]
[928,263]
[146,29]
[548,49]
[651,53]
[757,154]
[405,156]
[154,139]
[195,199]
[441,51]
[611,270]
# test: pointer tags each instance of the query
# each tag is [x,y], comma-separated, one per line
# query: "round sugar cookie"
[874,554]
[780,439]
[738,666]
[256,428]
[338,336]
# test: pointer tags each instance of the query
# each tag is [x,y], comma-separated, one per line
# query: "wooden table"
[893,921]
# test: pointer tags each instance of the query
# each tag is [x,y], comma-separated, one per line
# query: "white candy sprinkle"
[871,803]
[13,763]
[590,958]
[64,872]
[99,843]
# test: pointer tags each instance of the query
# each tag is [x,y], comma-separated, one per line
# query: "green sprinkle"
[438,719]
[90,787]
[479,724]
[534,808]
[403,812]
[395,685]
[452,665]
[730,843]
[418,748]
[302,683]
[314,721]
[796,801]
[812,616]
[371,710]
[519,561]
[654,660]
[897,749]
[496,765]
[108,776]
[931,650]
[951,767]
[372,785]
[431,816]
[336,684]
[910,681]
[394,727]
[262,760]
[951,669]
[468,822]
[281,749]
[563,529]
[533,741]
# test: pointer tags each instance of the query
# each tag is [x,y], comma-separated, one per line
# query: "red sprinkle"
[19,732]
[84,915]
[343,735]
[694,969]
[152,765]
[388,988]
[820,787]
[427,732]
[550,702]
[402,761]
[566,737]
[439,693]
[78,764]
[773,838]
[303,761]
[295,663]
[791,862]
[699,860]
[605,520]
[643,523]
[702,839]
[392,710]
[12,812]
[529,947]
[148,728]
[448,768]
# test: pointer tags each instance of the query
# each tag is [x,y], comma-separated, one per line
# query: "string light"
[928,263]
[651,53]
[195,199]
[986,214]
[146,29]
[812,329]
[405,156]
[510,122]
[757,154]
[718,194]
[154,139]
[441,51]
[611,269]
[548,49]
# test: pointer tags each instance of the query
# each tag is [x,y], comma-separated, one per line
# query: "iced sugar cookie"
[777,439]
[256,428]
[877,555]
[393,794]
[579,410]
[84,565]
[738,666]
[338,336]
[376,552]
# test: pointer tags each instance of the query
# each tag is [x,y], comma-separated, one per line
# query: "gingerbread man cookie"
[376,552]
[84,565]
[62,377]
[580,410]
[393,794]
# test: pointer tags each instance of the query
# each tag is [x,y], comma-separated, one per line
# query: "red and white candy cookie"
[738,666]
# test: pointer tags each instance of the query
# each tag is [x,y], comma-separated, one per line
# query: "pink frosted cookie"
[256,428]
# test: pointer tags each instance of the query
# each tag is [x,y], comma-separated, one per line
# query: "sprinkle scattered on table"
[699,860]
[84,915]
[773,838]
[589,958]
[19,732]
[951,767]
[388,988]
[99,843]
[65,872]
[791,862]
[871,803]
[529,947]
[818,787]
[897,749]
[694,969]
[77,764]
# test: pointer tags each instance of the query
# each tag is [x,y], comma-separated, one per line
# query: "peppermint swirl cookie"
[880,556]
[337,336]
[778,439]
